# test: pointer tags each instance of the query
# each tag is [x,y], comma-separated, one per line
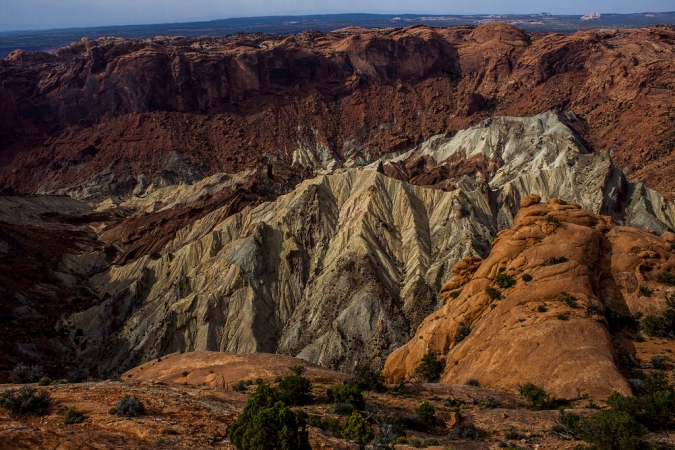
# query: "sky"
[44,14]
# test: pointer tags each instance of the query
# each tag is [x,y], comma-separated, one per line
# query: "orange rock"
[530,200]
[511,342]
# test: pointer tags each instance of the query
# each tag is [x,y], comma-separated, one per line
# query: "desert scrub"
[537,398]
[295,390]
[553,261]
[44,381]
[23,374]
[666,278]
[552,220]
[430,368]
[504,281]
[462,333]
[571,301]
[527,277]
[25,401]
[645,291]
[542,308]
[493,293]
[564,316]
[129,407]
[357,430]
[72,415]
[426,412]
[455,294]
[347,393]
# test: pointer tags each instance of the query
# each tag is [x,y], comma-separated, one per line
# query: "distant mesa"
[592,16]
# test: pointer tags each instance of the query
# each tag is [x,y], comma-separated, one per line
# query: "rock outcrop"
[548,328]
[118,115]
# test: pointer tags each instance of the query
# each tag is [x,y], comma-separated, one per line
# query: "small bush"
[329,424]
[593,309]
[612,430]
[44,381]
[426,413]
[570,301]
[514,435]
[343,409]
[493,293]
[551,219]
[355,429]
[465,431]
[25,401]
[297,370]
[72,415]
[400,440]
[23,374]
[504,281]
[655,325]
[472,382]
[430,368]
[347,393]
[112,411]
[239,386]
[659,362]
[185,374]
[542,308]
[455,294]
[414,442]
[391,429]
[295,390]
[645,291]
[266,422]
[638,337]
[430,442]
[653,407]
[368,379]
[129,407]
[553,261]
[462,333]
[666,278]
[536,397]
[564,316]
[527,277]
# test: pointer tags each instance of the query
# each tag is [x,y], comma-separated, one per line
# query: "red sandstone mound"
[551,330]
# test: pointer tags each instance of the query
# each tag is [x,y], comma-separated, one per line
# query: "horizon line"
[194,22]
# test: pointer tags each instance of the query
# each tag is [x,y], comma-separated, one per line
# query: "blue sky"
[40,14]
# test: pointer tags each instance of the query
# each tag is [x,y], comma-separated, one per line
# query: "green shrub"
[455,294]
[347,393]
[22,374]
[329,424]
[391,429]
[112,411]
[527,277]
[551,219]
[570,301]
[542,308]
[493,293]
[564,316]
[297,370]
[504,281]
[536,397]
[367,379]
[414,442]
[267,423]
[426,412]
[130,407]
[612,430]
[295,389]
[666,278]
[645,291]
[514,435]
[655,325]
[465,431]
[400,440]
[430,442]
[462,333]
[25,401]
[430,368]
[355,429]
[654,408]
[553,261]
[44,381]
[72,415]
[239,386]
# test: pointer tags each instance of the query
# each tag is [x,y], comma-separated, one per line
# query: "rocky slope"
[114,116]
[552,329]
[341,270]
